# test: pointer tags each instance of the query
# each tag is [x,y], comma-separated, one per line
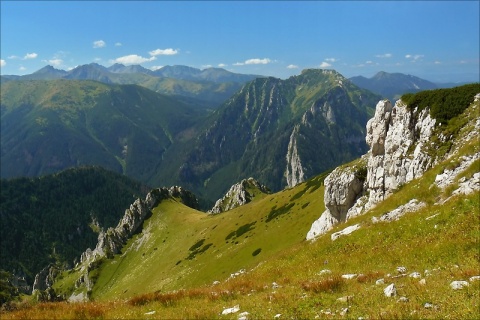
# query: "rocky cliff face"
[277,131]
[112,240]
[398,139]
[238,195]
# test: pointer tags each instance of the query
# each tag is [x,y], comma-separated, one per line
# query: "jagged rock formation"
[44,279]
[294,171]
[391,134]
[399,141]
[238,195]
[110,242]
[342,188]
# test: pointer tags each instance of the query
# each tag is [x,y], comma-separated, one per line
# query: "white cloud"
[133,59]
[156,68]
[238,64]
[222,65]
[331,60]
[22,68]
[325,64]
[3,63]
[118,44]
[32,55]
[414,57]
[13,57]
[163,52]
[99,44]
[54,62]
[206,66]
[292,66]
[258,61]
[385,55]
[437,62]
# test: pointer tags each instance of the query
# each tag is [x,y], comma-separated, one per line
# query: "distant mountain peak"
[393,85]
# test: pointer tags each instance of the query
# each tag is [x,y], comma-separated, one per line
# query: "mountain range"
[204,88]
[281,131]
[393,85]
[399,227]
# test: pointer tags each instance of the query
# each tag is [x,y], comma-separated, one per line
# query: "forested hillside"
[54,218]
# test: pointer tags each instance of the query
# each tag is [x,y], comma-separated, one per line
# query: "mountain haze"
[393,85]
[205,88]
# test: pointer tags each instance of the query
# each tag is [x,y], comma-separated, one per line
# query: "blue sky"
[436,40]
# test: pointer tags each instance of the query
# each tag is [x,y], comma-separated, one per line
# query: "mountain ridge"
[393,85]
[274,119]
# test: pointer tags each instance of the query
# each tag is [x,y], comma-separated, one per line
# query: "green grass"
[441,238]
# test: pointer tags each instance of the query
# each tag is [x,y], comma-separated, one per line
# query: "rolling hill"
[51,125]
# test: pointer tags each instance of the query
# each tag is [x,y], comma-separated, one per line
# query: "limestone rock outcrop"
[398,139]
[342,188]
[238,195]
[392,134]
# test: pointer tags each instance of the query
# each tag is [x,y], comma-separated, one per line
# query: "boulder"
[458,285]
[345,231]
[390,291]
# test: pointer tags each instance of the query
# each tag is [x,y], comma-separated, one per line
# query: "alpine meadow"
[240,160]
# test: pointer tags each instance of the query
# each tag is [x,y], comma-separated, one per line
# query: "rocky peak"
[111,241]
[397,138]
[238,195]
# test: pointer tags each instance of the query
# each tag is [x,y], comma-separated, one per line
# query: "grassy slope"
[441,238]
[163,256]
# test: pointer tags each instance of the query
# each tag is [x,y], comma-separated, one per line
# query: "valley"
[316,241]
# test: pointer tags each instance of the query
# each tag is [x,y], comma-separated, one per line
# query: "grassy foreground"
[443,239]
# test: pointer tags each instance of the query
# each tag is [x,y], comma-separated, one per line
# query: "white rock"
[342,188]
[150,312]
[422,282]
[401,269]
[325,271]
[216,282]
[390,291]
[403,299]
[380,281]
[278,315]
[412,206]
[344,311]
[243,315]
[345,299]
[415,275]
[275,285]
[457,285]
[349,276]
[345,231]
[231,310]
[428,305]
[474,278]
